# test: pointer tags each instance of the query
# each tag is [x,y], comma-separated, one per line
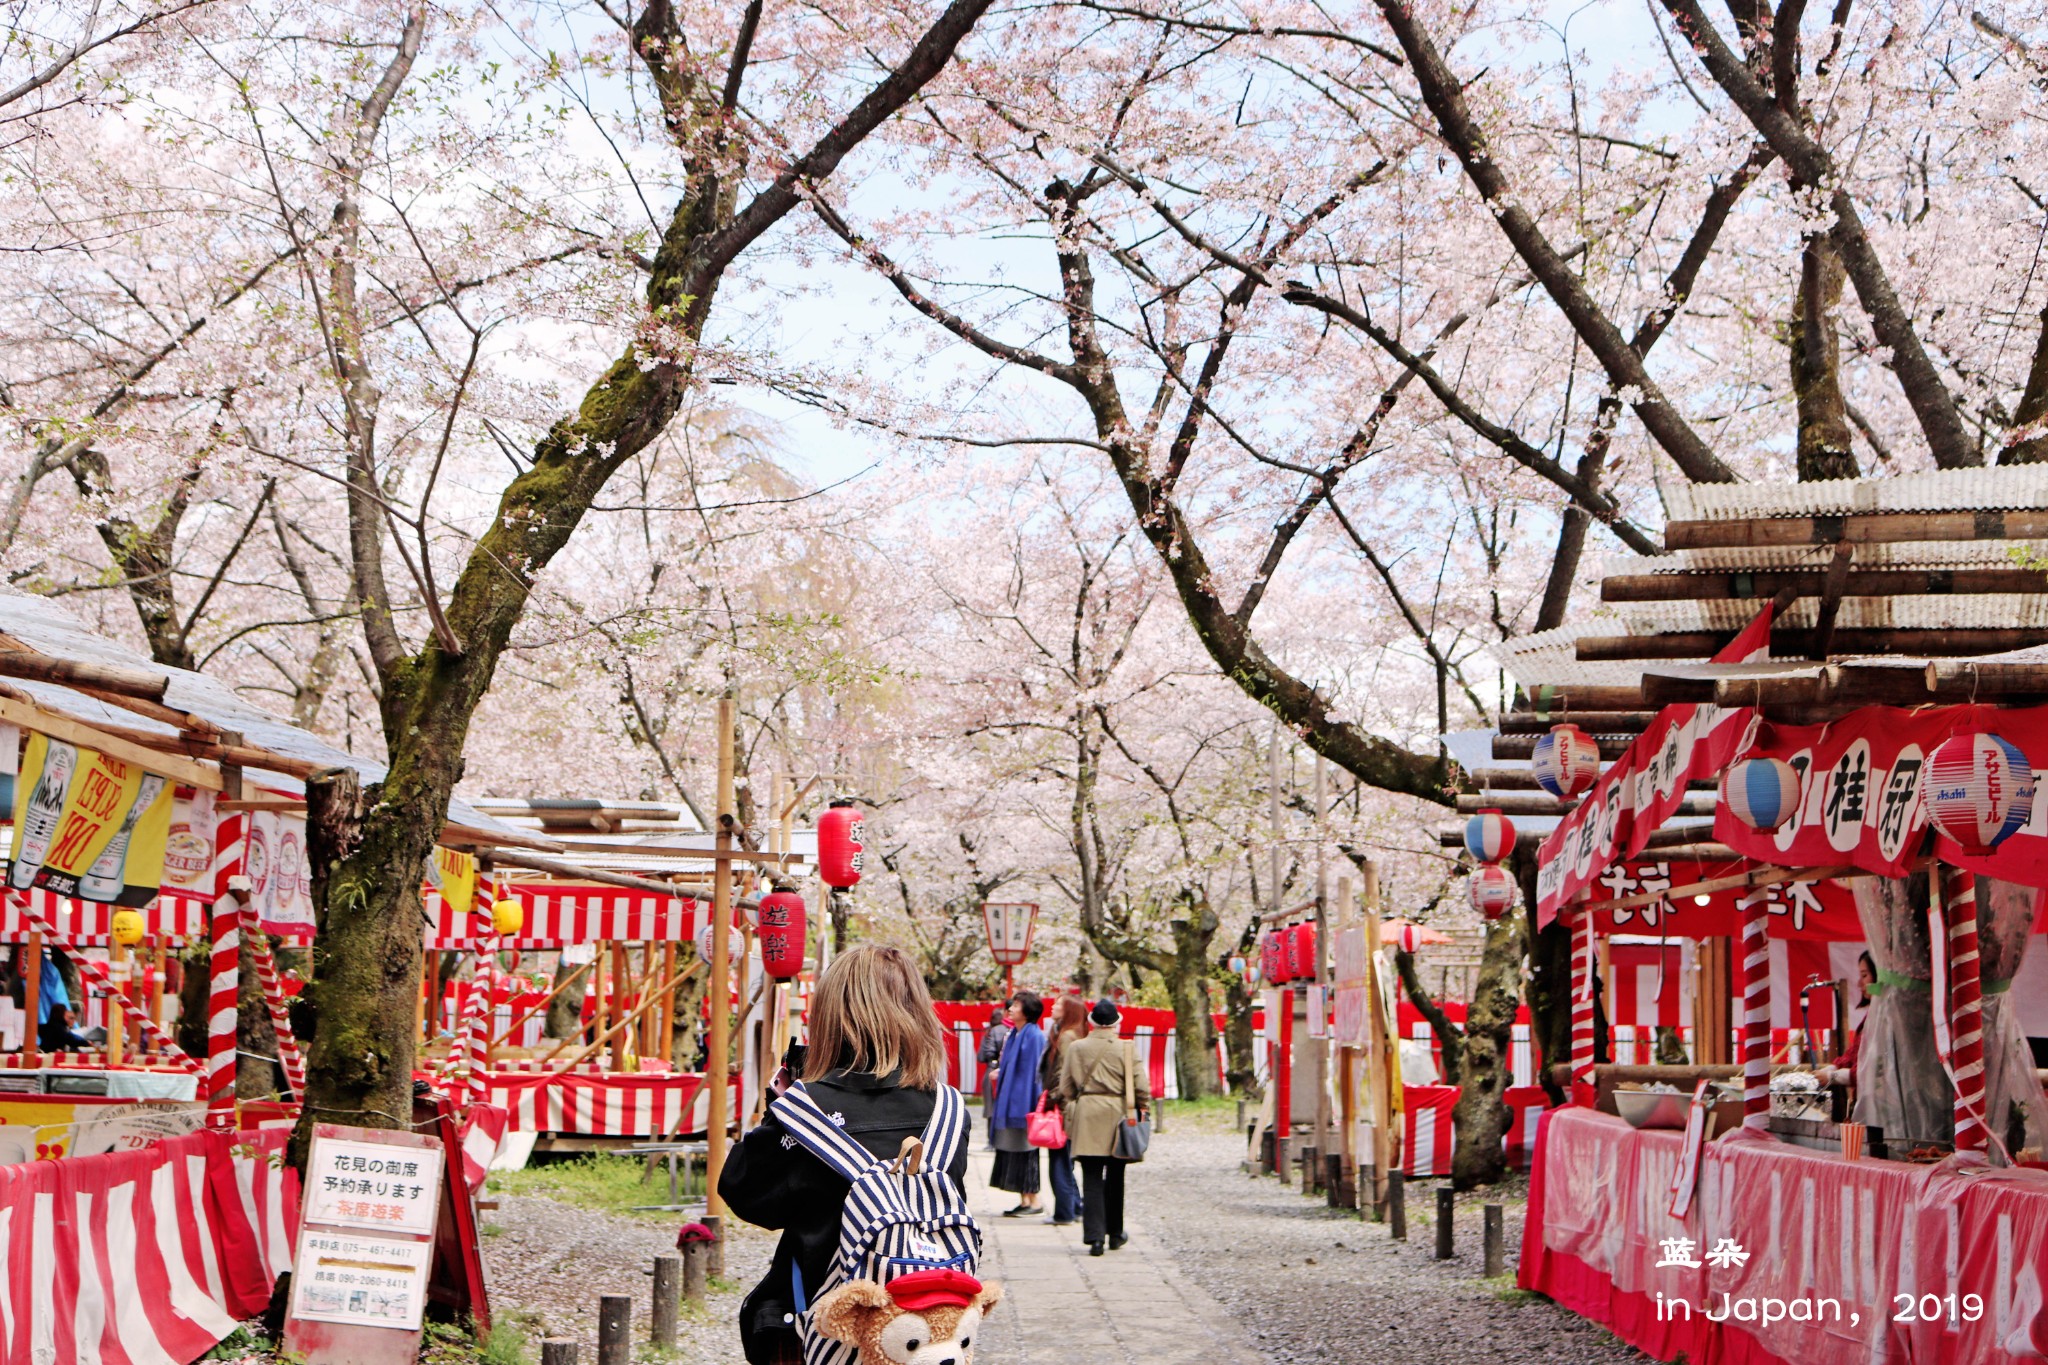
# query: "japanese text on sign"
[373,1185]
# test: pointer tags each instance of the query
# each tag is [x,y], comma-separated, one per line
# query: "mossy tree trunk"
[1482,1114]
[368,895]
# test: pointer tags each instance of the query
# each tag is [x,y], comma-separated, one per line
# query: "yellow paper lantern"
[129,928]
[508,916]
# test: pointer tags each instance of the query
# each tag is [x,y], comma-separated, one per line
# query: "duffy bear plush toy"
[928,1317]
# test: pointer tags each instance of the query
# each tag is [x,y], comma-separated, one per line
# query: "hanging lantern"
[1980,790]
[1566,761]
[129,928]
[782,934]
[839,845]
[1489,836]
[508,916]
[1410,939]
[1762,793]
[1492,890]
[735,946]
[1301,951]
[1273,958]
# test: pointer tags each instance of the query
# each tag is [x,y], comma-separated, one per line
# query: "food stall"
[1820,724]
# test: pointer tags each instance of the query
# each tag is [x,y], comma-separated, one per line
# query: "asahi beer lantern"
[1566,761]
[1980,790]
[1493,891]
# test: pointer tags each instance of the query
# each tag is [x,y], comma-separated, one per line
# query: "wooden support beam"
[1523,780]
[121,745]
[1593,722]
[48,668]
[1560,700]
[1863,528]
[1524,746]
[1723,585]
[1830,601]
[1953,679]
[1699,644]
[1529,840]
[1705,852]
[498,857]
[1542,803]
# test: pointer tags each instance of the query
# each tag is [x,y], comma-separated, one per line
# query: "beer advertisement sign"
[87,825]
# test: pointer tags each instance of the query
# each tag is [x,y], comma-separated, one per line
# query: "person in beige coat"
[1093,1073]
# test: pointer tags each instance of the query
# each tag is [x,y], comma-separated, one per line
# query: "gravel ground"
[1311,1284]
[550,1261]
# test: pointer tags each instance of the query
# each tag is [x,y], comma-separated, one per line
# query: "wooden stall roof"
[51,659]
[1921,589]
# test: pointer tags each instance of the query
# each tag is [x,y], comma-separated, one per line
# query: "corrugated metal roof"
[2007,487]
[1551,658]
[44,626]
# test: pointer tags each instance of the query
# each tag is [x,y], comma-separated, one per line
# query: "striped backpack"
[902,1215]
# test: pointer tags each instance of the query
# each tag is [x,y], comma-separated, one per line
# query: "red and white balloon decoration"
[1492,890]
[1980,790]
[1409,939]
[1566,761]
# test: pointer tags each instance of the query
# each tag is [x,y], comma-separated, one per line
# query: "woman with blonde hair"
[875,1062]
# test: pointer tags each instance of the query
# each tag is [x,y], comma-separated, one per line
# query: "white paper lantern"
[1980,790]
[1489,836]
[1492,890]
[1566,761]
[1762,793]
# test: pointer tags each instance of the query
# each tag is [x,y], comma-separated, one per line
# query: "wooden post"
[117,1033]
[719,991]
[696,1263]
[614,1329]
[32,1000]
[1397,1206]
[1496,1249]
[155,970]
[558,1351]
[668,1288]
[714,1252]
[1379,1048]
[1446,1211]
[622,977]
[600,1013]
[430,1003]
[665,1028]
[1319,1037]
[1347,1074]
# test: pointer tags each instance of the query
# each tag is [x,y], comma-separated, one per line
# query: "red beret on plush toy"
[921,1318]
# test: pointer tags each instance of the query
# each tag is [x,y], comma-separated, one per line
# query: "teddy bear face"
[864,1314]
[938,1336]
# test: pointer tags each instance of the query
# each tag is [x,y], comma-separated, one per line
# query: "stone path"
[1130,1307]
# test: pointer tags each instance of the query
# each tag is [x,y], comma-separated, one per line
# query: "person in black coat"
[876,1059]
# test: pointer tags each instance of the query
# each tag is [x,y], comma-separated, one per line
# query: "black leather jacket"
[772,1182]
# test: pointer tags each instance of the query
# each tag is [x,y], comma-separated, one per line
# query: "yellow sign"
[454,876]
[87,825]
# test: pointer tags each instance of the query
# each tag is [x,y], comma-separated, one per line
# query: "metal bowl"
[1652,1109]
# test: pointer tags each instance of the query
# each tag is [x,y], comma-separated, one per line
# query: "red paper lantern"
[1301,952]
[1493,890]
[1273,958]
[839,845]
[782,934]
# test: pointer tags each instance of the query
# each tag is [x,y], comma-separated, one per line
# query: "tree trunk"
[1824,432]
[565,1011]
[1187,982]
[1481,1115]
[257,1073]
[2033,408]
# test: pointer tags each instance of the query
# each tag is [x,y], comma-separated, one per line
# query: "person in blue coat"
[1017,1091]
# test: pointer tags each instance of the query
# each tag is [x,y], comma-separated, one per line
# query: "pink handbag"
[1045,1126]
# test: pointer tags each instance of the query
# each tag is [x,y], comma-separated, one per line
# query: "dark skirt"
[1016,1172]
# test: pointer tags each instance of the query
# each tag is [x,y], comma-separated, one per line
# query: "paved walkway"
[1061,1305]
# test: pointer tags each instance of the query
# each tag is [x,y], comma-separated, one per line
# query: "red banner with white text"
[1862,799]
[1643,788]
[1823,910]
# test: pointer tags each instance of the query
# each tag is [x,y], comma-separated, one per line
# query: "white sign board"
[373,1185]
[369,1281]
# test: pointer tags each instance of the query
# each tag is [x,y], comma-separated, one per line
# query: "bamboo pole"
[666,1035]
[719,990]
[1379,1060]
[1592,722]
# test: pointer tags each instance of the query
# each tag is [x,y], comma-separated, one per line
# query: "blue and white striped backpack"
[896,1221]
